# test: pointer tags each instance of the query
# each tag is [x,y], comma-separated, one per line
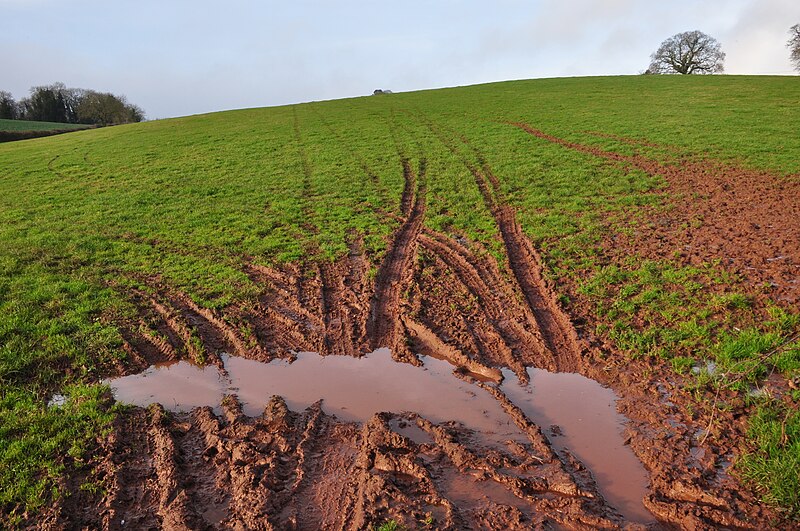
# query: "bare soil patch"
[749,220]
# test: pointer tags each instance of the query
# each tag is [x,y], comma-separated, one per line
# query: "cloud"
[756,42]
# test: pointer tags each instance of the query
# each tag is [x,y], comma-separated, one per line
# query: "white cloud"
[756,43]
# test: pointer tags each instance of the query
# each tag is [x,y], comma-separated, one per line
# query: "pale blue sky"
[174,58]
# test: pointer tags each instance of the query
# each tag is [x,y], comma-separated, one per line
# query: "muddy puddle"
[575,413]
[579,415]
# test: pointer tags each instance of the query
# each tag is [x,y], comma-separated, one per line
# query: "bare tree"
[690,52]
[794,46]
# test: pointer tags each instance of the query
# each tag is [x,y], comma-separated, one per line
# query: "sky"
[176,57]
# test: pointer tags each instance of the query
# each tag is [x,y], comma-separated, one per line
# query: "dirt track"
[432,295]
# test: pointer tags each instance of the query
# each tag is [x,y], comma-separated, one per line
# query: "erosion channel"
[576,415]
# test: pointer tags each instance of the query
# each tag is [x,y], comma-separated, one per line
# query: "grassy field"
[86,217]
[27,125]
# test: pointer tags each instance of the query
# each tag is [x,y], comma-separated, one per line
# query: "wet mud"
[460,427]
[432,408]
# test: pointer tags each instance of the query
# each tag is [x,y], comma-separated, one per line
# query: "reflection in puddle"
[590,428]
[463,488]
[354,389]
[409,428]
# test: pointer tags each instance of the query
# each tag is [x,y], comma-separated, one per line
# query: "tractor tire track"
[225,332]
[146,347]
[175,508]
[132,497]
[429,343]
[384,328]
[409,189]
[180,335]
[560,336]
[338,326]
[499,311]
[198,476]
[182,326]
[516,318]
[560,339]
[285,294]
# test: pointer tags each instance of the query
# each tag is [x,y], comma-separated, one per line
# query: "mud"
[578,415]
[468,329]
[394,275]
[750,220]
[353,390]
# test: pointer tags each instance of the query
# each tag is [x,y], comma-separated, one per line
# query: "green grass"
[390,525]
[27,125]
[84,217]
[773,461]
[53,339]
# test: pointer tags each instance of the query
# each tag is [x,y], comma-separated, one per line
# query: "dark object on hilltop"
[690,52]
[380,91]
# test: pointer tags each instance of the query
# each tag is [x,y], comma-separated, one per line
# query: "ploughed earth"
[447,391]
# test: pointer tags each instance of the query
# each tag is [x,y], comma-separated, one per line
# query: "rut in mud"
[385,328]
[306,470]
[559,348]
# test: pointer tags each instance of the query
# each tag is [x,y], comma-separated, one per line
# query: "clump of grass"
[390,525]
[772,457]
[743,353]
[196,348]
[682,364]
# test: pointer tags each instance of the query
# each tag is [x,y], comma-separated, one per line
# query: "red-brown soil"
[747,219]
[432,295]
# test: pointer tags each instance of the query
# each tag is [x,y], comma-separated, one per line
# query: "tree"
[51,103]
[57,103]
[690,52]
[8,107]
[104,108]
[794,46]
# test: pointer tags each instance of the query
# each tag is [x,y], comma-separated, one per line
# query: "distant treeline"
[57,103]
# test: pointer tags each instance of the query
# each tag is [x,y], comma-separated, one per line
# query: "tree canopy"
[690,52]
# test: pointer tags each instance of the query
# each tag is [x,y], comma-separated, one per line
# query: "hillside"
[641,231]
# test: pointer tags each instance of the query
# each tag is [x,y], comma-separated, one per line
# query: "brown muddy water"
[574,412]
